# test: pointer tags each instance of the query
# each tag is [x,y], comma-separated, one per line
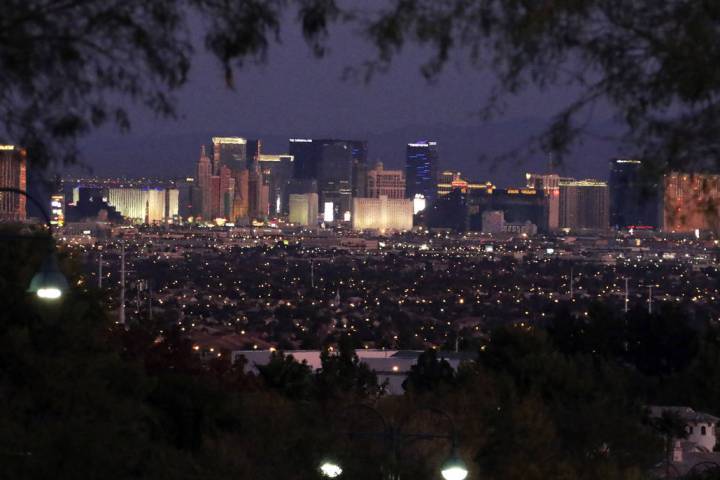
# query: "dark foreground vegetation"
[81,398]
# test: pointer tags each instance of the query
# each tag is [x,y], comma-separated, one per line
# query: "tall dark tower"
[634,198]
[421,169]
[359,153]
[306,153]
[335,174]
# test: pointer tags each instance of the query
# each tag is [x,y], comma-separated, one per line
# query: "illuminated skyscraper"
[338,166]
[253,152]
[241,203]
[549,184]
[229,151]
[584,204]
[225,193]
[691,202]
[13,174]
[390,183]
[204,172]
[257,195]
[421,169]
[276,172]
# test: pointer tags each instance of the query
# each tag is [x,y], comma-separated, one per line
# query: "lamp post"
[48,283]
[650,296]
[393,436]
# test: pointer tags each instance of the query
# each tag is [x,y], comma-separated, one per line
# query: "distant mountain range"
[472,150]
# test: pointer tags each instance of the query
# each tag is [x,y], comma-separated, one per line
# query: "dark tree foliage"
[83,399]
[657,345]
[286,375]
[344,375]
[429,374]
[69,66]
[566,416]
[655,62]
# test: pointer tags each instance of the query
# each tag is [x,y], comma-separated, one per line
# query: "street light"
[330,469]
[453,468]
[48,283]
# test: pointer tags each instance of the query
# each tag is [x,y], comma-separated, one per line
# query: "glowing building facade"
[381,182]
[584,204]
[13,174]
[549,184]
[57,210]
[231,152]
[691,202]
[421,169]
[303,209]
[382,214]
[145,205]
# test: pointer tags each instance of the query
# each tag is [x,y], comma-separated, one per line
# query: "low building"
[390,366]
[382,214]
[493,221]
[304,209]
[697,448]
[145,205]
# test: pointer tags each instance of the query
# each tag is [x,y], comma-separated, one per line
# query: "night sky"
[296,95]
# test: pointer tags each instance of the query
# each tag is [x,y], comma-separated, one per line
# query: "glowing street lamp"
[454,468]
[330,469]
[49,283]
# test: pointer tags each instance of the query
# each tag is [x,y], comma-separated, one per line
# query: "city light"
[454,472]
[49,283]
[49,293]
[328,212]
[330,469]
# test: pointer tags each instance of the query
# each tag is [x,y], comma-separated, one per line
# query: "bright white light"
[550,251]
[226,140]
[331,470]
[454,473]
[419,203]
[347,216]
[697,233]
[49,293]
[328,213]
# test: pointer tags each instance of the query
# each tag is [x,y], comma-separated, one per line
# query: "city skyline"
[320,103]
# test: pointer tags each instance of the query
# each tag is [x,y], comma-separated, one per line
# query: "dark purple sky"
[295,94]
